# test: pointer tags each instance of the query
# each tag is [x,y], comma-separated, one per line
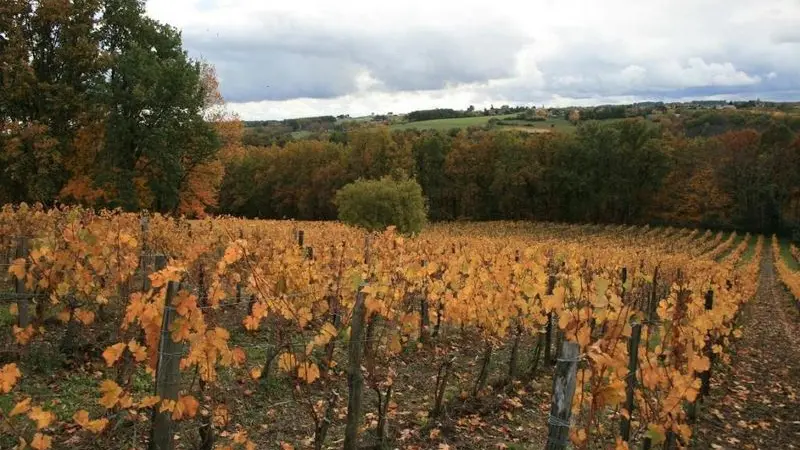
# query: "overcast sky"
[281,59]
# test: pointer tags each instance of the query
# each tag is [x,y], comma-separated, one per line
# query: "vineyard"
[143,331]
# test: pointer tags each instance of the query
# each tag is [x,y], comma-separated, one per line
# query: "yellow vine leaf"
[125,401]
[17,268]
[20,408]
[308,371]
[395,345]
[41,441]
[111,393]
[167,405]
[84,316]
[326,333]
[304,316]
[64,315]
[255,373]
[23,335]
[41,417]
[9,375]
[287,362]
[186,406]
[148,401]
[13,309]
[238,356]
[95,426]
[251,323]
[220,416]
[139,351]
[113,353]
[181,329]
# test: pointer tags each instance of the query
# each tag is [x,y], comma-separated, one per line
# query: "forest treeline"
[629,171]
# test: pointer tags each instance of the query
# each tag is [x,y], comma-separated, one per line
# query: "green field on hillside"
[552,124]
[448,124]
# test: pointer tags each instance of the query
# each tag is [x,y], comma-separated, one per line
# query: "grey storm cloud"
[281,59]
[303,61]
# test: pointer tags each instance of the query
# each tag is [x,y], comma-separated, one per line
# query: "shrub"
[377,204]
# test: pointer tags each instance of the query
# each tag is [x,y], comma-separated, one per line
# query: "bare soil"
[755,401]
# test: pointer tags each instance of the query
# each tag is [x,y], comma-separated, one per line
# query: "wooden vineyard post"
[300,238]
[564,382]
[548,339]
[167,372]
[630,386]
[206,429]
[633,364]
[355,379]
[705,376]
[24,318]
[424,314]
[143,259]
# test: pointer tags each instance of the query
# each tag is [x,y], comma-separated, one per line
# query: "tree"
[51,70]
[155,132]
[377,204]
[100,105]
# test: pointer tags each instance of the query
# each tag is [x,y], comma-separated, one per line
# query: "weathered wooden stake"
[705,376]
[630,387]
[355,379]
[564,382]
[167,375]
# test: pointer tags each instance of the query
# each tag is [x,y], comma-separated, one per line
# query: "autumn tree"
[100,105]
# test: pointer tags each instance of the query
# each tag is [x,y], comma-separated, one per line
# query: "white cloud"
[363,56]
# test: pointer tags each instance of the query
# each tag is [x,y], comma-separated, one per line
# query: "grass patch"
[751,250]
[786,253]
[75,391]
[6,319]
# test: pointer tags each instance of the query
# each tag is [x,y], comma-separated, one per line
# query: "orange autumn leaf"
[167,405]
[111,393]
[139,351]
[308,372]
[41,417]
[186,406]
[113,353]
[23,335]
[149,401]
[20,408]
[327,333]
[287,362]
[84,316]
[251,323]
[17,268]
[41,441]
[95,426]
[9,375]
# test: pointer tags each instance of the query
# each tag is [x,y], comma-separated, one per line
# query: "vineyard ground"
[755,402]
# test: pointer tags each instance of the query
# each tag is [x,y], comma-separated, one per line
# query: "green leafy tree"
[377,204]
[155,132]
